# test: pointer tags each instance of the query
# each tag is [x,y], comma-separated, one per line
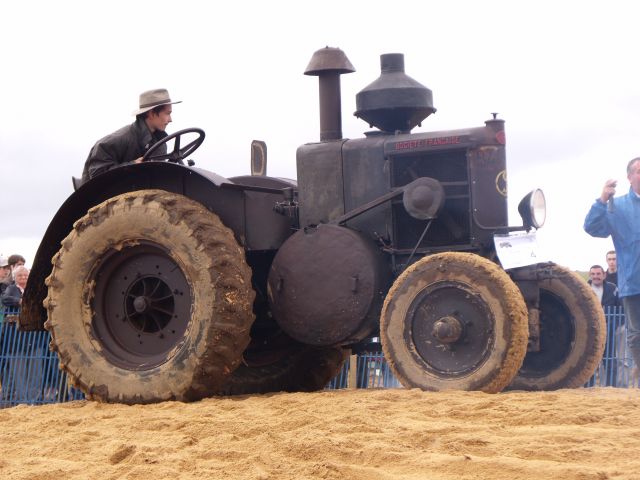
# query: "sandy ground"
[349,434]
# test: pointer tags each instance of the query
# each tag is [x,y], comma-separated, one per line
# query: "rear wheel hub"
[142,305]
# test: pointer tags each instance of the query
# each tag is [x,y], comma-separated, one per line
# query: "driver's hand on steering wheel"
[137,160]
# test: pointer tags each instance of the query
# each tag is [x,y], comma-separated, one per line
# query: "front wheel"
[454,321]
[150,299]
[572,334]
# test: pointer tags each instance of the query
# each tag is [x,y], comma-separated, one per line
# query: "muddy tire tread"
[227,270]
[512,304]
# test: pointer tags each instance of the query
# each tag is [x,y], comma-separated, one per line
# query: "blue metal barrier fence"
[30,374]
[617,367]
[29,371]
[372,371]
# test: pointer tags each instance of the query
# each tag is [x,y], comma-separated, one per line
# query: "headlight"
[533,209]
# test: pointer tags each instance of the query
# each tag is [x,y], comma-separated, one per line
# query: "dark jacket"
[123,146]
[11,296]
[609,295]
[3,287]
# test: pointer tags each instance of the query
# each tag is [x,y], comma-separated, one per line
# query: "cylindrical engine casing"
[327,284]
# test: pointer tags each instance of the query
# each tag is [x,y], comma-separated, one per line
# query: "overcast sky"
[564,76]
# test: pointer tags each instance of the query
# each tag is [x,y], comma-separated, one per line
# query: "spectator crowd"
[614,371]
[7,267]
[22,360]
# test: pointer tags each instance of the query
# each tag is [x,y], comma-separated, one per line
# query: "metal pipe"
[328,64]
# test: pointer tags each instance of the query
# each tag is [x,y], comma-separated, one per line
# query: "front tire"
[150,299]
[454,321]
[572,334]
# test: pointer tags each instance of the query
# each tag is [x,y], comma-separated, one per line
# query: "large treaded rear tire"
[301,368]
[150,299]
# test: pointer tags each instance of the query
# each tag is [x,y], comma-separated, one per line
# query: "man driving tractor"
[130,143]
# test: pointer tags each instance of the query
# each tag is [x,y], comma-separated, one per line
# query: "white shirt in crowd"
[598,291]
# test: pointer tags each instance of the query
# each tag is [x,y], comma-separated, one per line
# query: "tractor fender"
[232,202]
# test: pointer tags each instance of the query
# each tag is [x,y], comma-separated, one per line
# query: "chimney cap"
[329,59]
[395,101]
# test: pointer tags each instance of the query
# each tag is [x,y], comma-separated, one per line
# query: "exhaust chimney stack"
[394,102]
[328,64]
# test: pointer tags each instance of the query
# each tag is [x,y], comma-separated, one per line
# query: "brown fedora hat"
[153,98]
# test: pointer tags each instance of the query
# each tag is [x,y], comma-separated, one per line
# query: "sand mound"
[349,434]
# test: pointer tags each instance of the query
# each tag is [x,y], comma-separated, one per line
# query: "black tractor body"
[255,284]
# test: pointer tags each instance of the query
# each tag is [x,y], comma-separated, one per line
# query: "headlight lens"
[533,209]
[538,208]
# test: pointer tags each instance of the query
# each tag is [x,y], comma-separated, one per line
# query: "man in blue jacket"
[620,218]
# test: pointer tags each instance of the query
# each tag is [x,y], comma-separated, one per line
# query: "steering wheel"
[178,154]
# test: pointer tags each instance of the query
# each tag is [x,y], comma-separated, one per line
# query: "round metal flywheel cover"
[323,283]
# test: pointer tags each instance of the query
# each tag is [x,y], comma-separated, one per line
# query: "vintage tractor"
[165,281]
